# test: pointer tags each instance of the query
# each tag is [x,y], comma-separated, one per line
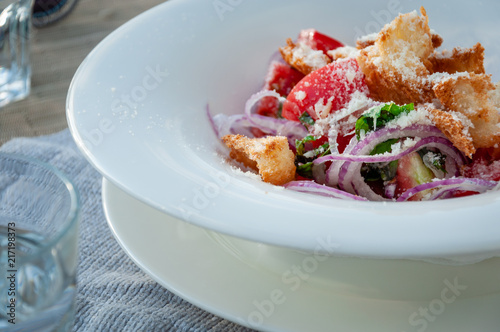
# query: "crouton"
[396,64]
[471,95]
[365,41]
[459,60]
[343,53]
[437,40]
[270,156]
[401,65]
[452,125]
[303,58]
[494,96]
[370,39]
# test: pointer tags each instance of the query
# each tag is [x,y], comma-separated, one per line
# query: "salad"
[390,119]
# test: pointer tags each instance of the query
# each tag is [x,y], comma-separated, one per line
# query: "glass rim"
[73,214]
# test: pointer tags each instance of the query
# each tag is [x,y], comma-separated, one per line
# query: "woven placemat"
[113,293]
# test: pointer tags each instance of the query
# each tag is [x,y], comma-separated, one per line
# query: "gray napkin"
[113,293]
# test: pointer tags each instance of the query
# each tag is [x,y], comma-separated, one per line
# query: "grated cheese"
[323,110]
[345,52]
[368,38]
[420,116]
[312,58]
[248,173]
[343,119]
[300,95]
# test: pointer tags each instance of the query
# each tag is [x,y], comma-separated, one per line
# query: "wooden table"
[56,52]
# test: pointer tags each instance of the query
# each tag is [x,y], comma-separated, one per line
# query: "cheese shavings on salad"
[390,119]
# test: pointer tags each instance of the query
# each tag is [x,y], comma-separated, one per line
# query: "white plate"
[136,108]
[210,271]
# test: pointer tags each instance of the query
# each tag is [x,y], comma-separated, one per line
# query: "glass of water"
[15,70]
[39,212]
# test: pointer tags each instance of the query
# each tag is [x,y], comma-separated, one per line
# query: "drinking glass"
[15,69]
[39,212]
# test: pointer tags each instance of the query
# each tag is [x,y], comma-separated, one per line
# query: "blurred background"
[57,50]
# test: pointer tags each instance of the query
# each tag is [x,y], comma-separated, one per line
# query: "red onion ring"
[256,97]
[344,170]
[449,186]
[243,123]
[347,173]
[431,141]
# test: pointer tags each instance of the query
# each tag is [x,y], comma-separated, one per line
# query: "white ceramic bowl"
[276,289]
[137,110]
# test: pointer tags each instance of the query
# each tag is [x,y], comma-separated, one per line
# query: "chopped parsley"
[300,144]
[304,157]
[381,171]
[306,120]
[433,160]
[305,170]
[279,112]
[377,117]
[384,147]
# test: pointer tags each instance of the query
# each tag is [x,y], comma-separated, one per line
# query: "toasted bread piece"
[467,94]
[401,65]
[343,53]
[495,96]
[459,60]
[407,34]
[303,58]
[365,41]
[452,125]
[437,40]
[387,85]
[270,156]
[370,39]
[471,95]
[396,64]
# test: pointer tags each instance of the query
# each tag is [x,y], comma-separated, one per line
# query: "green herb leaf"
[440,165]
[431,158]
[279,113]
[300,144]
[384,147]
[304,158]
[306,120]
[389,172]
[377,117]
[305,170]
[322,150]
[381,171]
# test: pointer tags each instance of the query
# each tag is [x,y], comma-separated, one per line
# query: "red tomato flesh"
[318,41]
[281,77]
[485,165]
[327,89]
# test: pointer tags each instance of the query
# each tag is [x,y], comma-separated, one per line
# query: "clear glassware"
[39,212]
[15,69]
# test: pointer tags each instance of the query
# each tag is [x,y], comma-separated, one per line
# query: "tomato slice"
[343,141]
[318,41]
[485,165]
[281,77]
[464,193]
[325,90]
